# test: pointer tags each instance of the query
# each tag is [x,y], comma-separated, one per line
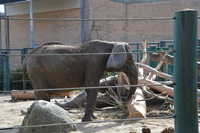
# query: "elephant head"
[123,62]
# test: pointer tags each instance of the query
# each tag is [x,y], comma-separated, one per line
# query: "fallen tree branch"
[168,59]
[144,54]
[151,75]
[150,95]
[152,70]
[162,88]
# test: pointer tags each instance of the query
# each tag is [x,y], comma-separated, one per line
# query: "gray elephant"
[78,70]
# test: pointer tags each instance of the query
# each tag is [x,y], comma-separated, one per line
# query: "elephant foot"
[87,119]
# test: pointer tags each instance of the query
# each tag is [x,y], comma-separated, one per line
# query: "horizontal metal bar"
[101,19]
[76,54]
[73,123]
[83,88]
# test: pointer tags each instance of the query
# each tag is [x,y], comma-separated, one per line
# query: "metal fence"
[11,65]
[184,60]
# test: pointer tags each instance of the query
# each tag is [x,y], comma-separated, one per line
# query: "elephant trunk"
[132,75]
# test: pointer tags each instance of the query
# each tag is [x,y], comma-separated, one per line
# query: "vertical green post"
[23,52]
[185,71]
[170,67]
[6,74]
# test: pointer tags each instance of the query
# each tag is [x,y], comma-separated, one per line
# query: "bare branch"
[154,71]
[159,65]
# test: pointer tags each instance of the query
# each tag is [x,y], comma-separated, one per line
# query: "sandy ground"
[10,115]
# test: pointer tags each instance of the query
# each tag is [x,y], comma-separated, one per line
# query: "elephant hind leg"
[42,95]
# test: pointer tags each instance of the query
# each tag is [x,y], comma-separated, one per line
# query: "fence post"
[170,67]
[185,71]
[23,52]
[6,73]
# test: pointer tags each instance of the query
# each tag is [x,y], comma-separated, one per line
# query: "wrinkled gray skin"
[78,71]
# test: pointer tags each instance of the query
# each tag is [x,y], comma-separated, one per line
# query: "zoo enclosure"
[186,18]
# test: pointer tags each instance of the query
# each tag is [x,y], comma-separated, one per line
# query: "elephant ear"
[117,60]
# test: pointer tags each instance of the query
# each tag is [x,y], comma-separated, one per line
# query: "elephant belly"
[64,80]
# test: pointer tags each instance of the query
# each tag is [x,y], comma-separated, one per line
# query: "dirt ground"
[10,115]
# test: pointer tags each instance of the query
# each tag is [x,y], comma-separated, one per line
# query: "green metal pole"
[185,71]
[6,74]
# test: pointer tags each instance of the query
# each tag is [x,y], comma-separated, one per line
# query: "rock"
[146,130]
[168,130]
[43,112]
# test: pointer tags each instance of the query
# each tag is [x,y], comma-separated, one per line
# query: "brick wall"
[128,31]
[135,31]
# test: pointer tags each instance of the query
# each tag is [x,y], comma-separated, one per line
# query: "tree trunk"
[30,95]
[168,59]
[161,88]
[136,106]
[20,95]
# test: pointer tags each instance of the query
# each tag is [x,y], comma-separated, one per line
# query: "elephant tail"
[24,76]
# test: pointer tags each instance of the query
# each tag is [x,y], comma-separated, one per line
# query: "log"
[30,95]
[168,59]
[76,102]
[136,106]
[162,88]
[19,95]
[144,58]
[156,72]
[151,75]
[158,56]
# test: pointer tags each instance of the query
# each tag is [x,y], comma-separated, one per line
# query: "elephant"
[68,71]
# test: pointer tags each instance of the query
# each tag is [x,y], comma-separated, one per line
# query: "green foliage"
[107,74]
[15,80]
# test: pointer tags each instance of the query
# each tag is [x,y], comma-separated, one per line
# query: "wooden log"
[76,102]
[144,58]
[151,75]
[162,88]
[152,70]
[30,95]
[158,56]
[168,59]
[20,95]
[136,106]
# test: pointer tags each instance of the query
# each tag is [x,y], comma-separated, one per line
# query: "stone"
[43,112]
[146,130]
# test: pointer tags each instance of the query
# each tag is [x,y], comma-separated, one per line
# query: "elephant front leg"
[90,106]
